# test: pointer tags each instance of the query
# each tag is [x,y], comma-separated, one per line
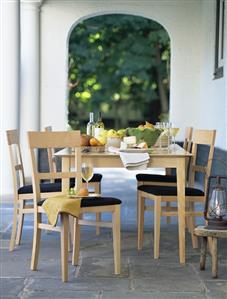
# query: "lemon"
[102,140]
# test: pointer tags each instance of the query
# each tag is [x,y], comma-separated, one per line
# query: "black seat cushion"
[99,201]
[44,187]
[169,191]
[94,201]
[56,186]
[144,177]
[97,177]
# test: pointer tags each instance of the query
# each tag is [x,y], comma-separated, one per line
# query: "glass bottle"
[99,126]
[91,125]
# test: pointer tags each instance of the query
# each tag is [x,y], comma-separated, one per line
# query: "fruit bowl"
[148,135]
[113,141]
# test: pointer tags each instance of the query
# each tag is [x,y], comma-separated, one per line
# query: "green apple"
[111,133]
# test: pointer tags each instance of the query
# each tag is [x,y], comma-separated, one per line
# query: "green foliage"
[113,62]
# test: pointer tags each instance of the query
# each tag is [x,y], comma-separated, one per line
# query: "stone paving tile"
[88,284]
[216,289]
[61,294]
[10,287]
[165,278]
[102,267]
[152,295]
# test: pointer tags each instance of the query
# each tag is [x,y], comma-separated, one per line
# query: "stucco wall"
[195,98]
[213,98]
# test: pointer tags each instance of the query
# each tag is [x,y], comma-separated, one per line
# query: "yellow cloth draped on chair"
[61,204]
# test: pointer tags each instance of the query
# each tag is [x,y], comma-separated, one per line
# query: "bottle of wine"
[91,125]
[99,126]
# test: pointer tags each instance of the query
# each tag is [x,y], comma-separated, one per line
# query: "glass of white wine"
[173,132]
[87,171]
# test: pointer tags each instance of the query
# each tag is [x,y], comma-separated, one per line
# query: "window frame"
[219,39]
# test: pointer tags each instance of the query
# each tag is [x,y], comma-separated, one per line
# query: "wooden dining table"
[175,157]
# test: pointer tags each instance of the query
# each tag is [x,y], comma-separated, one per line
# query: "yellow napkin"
[61,204]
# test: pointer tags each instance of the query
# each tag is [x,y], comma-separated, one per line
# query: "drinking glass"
[87,171]
[173,133]
[159,125]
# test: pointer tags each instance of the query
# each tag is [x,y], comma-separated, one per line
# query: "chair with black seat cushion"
[156,179]
[71,139]
[23,192]
[167,179]
[95,181]
[159,194]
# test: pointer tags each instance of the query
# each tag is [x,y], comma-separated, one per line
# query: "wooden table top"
[178,151]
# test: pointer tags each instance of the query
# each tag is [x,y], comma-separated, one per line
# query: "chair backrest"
[188,138]
[202,137]
[15,159]
[52,140]
[50,153]
[187,145]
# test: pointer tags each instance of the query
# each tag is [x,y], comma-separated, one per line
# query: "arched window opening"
[119,65]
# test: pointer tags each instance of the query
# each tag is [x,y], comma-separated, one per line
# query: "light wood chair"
[23,193]
[94,183]
[48,140]
[168,179]
[159,194]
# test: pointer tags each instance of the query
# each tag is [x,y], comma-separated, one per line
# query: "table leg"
[214,260]
[203,253]
[181,207]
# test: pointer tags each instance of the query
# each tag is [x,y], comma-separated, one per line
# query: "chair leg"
[214,258]
[203,253]
[195,243]
[36,242]
[117,239]
[64,246]
[98,219]
[76,242]
[140,221]
[98,215]
[168,218]
[71,233]
[20,223]
[187,218]
[157,223]
[14,228]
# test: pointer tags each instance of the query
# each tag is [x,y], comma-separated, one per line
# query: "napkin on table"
[135,161]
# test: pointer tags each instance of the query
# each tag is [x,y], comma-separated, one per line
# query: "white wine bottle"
[91,125]
[99,126]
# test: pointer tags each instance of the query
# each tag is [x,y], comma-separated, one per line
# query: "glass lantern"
[215,211]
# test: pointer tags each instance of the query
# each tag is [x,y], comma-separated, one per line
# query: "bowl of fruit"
[91,144]
[111,137]
[144,133]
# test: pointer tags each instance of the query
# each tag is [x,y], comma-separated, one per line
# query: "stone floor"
[142,277]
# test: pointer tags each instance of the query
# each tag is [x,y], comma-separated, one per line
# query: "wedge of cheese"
[130,140]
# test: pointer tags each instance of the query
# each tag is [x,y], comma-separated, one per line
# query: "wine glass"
[86,171]
[173,132]
[159,125]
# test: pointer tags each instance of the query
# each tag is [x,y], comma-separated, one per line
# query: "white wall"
[212,104]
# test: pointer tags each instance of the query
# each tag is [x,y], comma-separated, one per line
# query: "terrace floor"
[142,277]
